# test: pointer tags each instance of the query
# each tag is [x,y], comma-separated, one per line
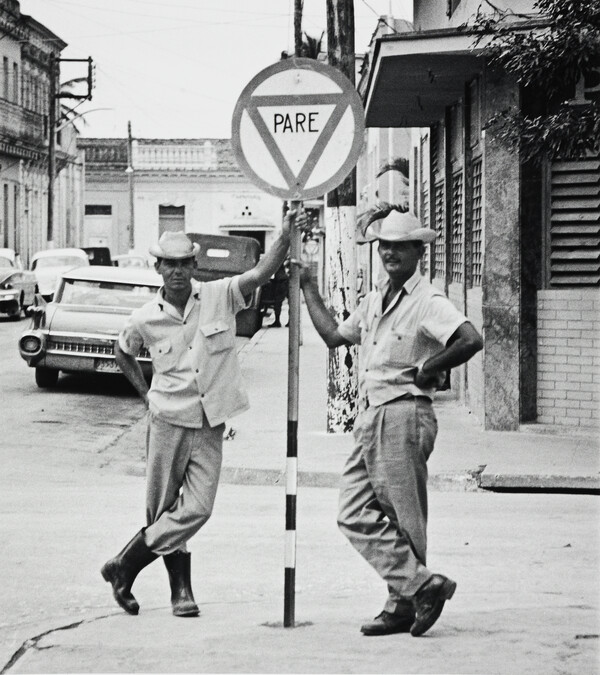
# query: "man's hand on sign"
[297,219]
[303,269]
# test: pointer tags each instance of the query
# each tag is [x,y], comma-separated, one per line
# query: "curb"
[530,482]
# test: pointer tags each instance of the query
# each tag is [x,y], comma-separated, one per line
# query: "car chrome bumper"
[77,354]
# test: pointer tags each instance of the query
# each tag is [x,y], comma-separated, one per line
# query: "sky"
[175,68]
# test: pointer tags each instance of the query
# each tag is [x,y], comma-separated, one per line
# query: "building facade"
[518,247]
[26,51]
[136,190]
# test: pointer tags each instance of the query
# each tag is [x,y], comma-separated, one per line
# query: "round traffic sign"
[297,129]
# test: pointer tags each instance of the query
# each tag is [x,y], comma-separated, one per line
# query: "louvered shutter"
[575,223]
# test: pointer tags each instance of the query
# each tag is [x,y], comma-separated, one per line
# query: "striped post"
[291,468]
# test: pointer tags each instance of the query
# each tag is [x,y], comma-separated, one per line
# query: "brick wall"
[569,357]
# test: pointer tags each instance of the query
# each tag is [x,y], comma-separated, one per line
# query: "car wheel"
[46,377]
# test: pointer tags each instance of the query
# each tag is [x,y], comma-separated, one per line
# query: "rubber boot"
[122,570]
[182,598]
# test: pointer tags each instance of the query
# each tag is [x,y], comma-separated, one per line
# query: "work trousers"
[183,466]
[383,495]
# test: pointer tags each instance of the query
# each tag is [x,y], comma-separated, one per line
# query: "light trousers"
[383,495]
[183,466]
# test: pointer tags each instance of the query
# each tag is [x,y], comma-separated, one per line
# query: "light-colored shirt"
[194,357]
[415,326]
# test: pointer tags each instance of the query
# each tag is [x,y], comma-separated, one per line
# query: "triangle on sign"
[296,132]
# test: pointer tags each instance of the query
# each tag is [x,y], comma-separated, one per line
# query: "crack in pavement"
[31,643]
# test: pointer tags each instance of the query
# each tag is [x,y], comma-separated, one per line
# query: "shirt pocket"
[218,336]
[402,347]
[163,355]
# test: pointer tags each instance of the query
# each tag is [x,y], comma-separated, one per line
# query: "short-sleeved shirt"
[414,327]
[194,356]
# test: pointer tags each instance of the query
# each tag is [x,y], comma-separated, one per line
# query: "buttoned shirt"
[194,357]
[394,343]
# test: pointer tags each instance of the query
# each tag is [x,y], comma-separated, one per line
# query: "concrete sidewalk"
[465,458]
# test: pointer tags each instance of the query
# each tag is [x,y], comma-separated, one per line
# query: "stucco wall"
[209,204]
[475,381]
[569,357]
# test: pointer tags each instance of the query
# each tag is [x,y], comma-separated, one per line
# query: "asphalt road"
[97,407]
[526,565]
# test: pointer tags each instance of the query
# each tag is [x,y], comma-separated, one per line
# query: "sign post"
[297,132]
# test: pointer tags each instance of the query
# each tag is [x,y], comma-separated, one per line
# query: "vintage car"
[225,256]
[17,286]
[130,260]
[76,332]
[50,264]
[98,255]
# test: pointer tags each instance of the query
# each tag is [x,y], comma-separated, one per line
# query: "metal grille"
[440,242]
[477,224]
[435,148]
[426,259]
[94,349]
[457,228]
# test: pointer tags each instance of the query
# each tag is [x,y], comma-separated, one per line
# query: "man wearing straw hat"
[409,334]
[189,328]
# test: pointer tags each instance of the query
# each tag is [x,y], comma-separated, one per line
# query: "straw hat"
[398,226]
[174,246]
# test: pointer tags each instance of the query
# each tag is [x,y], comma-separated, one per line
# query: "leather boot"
[182,598]
[122,570]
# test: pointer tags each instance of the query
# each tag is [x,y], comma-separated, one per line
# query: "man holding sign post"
[409,334]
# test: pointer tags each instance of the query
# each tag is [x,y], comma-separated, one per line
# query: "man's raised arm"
[325,324]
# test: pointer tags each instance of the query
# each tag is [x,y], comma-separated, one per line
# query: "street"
[526,564]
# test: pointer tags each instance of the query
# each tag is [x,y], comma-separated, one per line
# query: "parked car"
[130,260]
[98,255]
[224,256]
[49,265]
[17,286]
[76,332]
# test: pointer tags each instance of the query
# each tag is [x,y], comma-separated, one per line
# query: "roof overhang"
[415,76]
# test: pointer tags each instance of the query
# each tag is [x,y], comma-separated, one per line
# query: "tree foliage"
[551,53]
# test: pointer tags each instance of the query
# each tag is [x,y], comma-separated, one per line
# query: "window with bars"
[436,149]
[457,228]
[439,251]
[574,237]
[477,224]
[425,260]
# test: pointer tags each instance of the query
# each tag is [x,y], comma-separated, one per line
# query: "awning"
[414,76]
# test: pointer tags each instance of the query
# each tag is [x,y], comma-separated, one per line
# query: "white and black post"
[291,468]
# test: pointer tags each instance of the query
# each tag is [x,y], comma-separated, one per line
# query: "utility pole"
[298,5]
[55,94]
[340,233]
[130,177]
[52,145]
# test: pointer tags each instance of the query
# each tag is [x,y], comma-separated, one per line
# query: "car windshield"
[105,294]
[57,261]
[5,263]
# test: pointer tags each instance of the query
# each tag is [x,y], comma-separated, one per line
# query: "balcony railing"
[175,157]
[17,123]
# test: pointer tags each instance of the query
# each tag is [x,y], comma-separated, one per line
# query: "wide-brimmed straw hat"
[174,246]
[398,226]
